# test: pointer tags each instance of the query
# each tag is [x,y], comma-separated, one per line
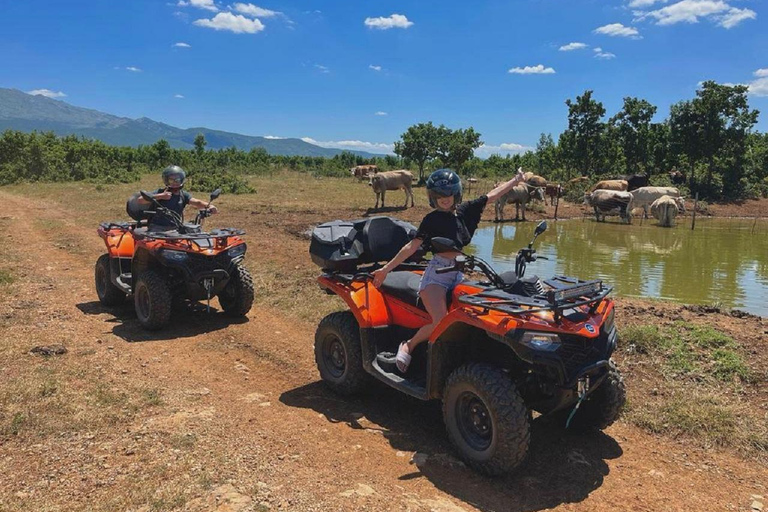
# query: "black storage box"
[343,245]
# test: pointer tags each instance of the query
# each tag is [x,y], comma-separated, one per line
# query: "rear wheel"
[152,299]
[108,293]
[602,407]
[338,353]
[236,298]
[486,418]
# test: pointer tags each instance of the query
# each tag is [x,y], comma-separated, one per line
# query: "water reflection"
[723,260]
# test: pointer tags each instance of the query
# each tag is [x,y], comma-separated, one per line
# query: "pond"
[722,261]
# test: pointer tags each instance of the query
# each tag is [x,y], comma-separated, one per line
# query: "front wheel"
[108,293]
[152,299]
[486,418]
[236,298]
[339,354]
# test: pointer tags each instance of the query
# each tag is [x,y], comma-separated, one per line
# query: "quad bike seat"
[404,285]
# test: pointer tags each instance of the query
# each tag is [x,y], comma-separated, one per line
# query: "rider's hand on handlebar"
[163,196]
[379,276]
[213,209]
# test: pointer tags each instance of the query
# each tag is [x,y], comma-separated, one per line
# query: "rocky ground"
[215,414]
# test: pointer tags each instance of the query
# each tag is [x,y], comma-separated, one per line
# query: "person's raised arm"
[404,253]
[502,189]
[201,205]
[159,196]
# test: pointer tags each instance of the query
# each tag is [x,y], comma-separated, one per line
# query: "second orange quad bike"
[163,268]
[509,345]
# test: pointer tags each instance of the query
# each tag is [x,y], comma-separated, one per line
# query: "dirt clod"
[49,350]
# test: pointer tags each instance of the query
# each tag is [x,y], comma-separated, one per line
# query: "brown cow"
[391,180]
[363,171]
[576,181]
[553,190]
[617,185]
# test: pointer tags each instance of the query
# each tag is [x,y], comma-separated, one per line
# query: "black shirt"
[176,203]
[459,226]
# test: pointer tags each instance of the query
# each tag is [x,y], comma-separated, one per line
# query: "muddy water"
[722,261]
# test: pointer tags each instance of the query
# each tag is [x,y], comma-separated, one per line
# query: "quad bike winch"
[509,345]
[164,268]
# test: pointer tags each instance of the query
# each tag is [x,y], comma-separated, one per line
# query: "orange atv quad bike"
[164,268]
[509,345]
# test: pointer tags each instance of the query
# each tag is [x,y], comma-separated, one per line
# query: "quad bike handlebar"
[175,218]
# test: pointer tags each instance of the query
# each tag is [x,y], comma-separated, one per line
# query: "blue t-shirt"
[176,203]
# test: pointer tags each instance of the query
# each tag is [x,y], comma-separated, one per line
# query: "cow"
[607,201]
[535,180]
[553,190]
[617,185]
[363,171]
[391,180]
[644,197]
[576,181]
[665,209]
[634,181]
[520,194]
[677,177]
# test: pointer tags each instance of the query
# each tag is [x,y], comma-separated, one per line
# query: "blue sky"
[338,72]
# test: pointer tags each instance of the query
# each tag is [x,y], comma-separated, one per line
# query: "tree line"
[709,139]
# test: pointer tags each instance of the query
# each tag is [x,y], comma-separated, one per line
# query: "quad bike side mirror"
[216,193]
[540,228]
[441,244]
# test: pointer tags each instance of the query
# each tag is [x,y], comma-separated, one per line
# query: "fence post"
[557,204]
[695,206]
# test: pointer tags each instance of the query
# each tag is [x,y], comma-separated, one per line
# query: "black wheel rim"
[143,303]
[228,294]
[474,421]
[101,281]
[334,356]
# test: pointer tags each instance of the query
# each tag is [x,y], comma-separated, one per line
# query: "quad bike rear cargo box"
[343,245]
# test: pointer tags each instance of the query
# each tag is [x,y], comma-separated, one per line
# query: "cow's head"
[680,202]
[535,193]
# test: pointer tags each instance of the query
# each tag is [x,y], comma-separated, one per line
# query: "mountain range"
[25,112]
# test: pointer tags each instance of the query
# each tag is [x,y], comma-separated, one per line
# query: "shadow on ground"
[383,210]
[189,320]
[562,466]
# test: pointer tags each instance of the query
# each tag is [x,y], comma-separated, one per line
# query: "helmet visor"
[174,181]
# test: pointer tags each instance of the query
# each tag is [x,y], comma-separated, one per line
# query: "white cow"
[644,197]
[665,209]
[391,180]
[608,201]
[520,194]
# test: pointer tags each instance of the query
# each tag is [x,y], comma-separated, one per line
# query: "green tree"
[200,144]
[546,154]
[418,144]
[633,126]
[455,147]
[585,127]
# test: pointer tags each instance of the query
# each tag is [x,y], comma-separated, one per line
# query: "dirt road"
[209,413]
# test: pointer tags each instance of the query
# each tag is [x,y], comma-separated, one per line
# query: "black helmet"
[174,176]
[443,183]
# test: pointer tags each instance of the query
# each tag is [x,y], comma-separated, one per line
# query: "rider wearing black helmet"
[173,197]
[450,219]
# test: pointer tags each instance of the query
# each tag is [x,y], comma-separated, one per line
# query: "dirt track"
[240,404]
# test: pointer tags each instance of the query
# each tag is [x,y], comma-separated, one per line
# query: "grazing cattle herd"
[618,196]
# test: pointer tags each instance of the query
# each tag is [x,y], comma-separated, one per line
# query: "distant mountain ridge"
[24,112]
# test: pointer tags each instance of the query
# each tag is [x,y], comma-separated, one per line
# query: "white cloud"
[393,21]
[618,30]
[133,69]
[600,54]
[381,113]
[208,5]
[178,96]
[273,137]
[759,87]
[236,23]
[374,147]
[375,68]
[255,11]
[182,45]
[573,46]
[735,16]
[644,3]
[761,72]
[691,11]
[47,93]
[504,148]
[323,69]
[532,70]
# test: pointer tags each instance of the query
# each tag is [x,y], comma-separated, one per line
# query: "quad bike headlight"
[541,341]
[236,251]
[175,256]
